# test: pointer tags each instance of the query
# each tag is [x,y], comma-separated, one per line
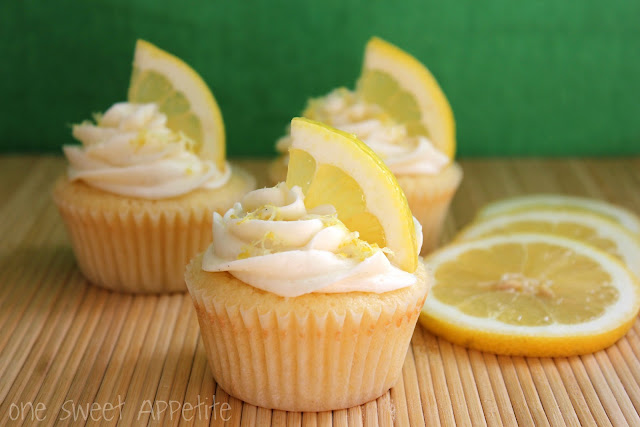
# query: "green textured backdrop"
[523,78]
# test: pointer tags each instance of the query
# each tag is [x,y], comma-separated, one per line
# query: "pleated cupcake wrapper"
[429,203]
[141,252]
[305,362]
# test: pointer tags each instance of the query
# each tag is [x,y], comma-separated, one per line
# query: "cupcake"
[139,193]
[297,312]
[399,110]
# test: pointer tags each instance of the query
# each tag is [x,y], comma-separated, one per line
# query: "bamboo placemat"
[65,345]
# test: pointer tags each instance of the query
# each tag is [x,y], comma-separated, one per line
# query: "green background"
[523,78]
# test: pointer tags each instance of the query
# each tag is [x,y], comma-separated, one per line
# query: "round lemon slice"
[333,167]
[618,214]
[530,295]
[405,89]
[576,224]
[182,95]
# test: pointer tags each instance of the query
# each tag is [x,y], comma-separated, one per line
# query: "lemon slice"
[182,95]
[589,228]
[333,167]
[530,295]
[561,202]
[405,89]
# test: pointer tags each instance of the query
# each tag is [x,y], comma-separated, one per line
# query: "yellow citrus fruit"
[182,95]
[405,89]
[589,228]
[616,213]
[333,167]
[530,294]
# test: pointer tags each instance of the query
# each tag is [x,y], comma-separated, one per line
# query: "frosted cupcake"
[399,110]
[140,191]
[296,310]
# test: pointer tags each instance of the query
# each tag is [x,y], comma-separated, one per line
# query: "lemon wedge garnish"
[587,227]
[333,167]
[405,89]
[182,95]
[530,294]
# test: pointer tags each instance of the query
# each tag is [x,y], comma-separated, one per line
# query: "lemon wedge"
[333,167]
[406,90]
[530,294]
[589,228]
[182,95]
[618,214]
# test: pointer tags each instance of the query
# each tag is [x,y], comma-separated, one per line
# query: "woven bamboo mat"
[67,347]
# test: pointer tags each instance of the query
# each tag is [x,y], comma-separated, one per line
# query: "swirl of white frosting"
[270,241]
[403,154]
[130,151]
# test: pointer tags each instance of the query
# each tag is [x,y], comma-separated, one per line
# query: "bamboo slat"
[67,347]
